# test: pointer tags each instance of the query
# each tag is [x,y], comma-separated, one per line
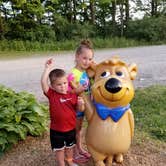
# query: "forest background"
[42,25]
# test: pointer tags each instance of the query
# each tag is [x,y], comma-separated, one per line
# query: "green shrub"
[148,29]
[72,31]
[20,115]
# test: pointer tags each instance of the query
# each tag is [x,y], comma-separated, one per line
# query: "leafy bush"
[20,115]
[148,29]
[77,31]
[65,30]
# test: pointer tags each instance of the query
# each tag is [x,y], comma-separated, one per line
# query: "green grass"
[18,49]
[117,43]
[149,108]
[17,45]
[27,46]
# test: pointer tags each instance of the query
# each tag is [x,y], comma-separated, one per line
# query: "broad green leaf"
[29,126]
[12,137]
[8,127]
[3,133]
[3,140]
[38,110]
[22,130]
[18,118]
[32,118]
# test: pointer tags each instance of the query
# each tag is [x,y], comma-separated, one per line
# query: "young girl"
[83,58]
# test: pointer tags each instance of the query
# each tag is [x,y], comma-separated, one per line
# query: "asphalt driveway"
[24,73]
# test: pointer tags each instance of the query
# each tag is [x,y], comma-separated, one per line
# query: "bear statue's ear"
[91,70]
[132,70]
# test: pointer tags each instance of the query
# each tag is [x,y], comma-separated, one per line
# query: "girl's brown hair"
[84,44]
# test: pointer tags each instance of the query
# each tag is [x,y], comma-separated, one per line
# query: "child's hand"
[81,88]
[93,63]
[80,100]
[49,63]
[80,103]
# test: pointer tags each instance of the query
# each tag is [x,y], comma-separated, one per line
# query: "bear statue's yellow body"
[109,137]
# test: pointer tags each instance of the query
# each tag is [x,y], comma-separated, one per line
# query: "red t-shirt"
[62,110]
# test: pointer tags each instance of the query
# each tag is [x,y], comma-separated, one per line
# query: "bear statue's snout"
[113,85]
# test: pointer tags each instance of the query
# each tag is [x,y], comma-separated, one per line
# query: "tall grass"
[117,43]
[16,45]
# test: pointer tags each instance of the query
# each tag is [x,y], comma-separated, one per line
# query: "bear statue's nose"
[113,85]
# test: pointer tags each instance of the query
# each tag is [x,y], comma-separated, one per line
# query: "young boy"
[62,107]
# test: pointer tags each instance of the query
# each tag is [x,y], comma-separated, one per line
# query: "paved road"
[24,74]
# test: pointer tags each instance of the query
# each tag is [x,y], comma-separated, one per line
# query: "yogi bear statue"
[110,119]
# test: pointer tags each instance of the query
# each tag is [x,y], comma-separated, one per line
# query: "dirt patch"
[35,151]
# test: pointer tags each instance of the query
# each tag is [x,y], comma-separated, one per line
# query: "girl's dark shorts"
[60,140]
[79,114]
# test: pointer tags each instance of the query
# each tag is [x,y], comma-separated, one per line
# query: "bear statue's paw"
[99,163]
[119,158]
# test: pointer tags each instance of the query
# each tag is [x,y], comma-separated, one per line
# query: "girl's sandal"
[80,159]
[86,154]
[70,162]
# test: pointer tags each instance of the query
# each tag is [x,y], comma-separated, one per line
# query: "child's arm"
[77,88]
[80,104]
[45,75]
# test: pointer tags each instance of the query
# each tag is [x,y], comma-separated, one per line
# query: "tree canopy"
[43,20]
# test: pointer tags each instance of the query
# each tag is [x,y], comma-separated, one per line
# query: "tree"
[151,8]
[92,11]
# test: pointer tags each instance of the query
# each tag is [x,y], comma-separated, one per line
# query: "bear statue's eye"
[105,74]
[119,73]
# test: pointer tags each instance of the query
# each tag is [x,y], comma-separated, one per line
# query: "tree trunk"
[74,10]
[113,11]
[113,14]
[152,8]
[127,10]
[70,11]
[154,5]
[121,18]
[92,11]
